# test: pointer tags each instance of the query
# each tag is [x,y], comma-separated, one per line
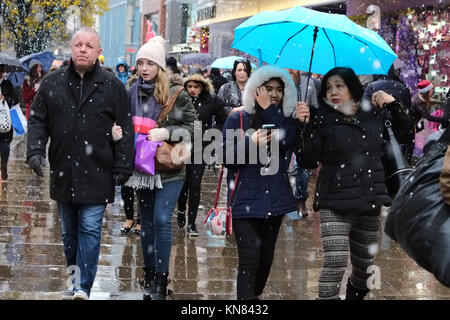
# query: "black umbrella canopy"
[10,64]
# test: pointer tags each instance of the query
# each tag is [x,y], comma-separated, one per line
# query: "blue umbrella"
[227,62]
[45,58]
[309,40]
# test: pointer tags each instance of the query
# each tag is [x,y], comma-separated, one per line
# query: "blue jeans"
[155,209]
[81,233]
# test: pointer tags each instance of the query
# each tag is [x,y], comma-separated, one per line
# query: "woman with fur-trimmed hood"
[209,109]
[262,193]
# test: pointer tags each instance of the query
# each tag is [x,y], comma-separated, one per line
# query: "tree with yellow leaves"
[31,24]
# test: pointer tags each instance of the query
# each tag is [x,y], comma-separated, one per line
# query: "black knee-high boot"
[149,283]
[161,286]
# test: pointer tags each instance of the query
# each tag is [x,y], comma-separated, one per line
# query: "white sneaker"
[67,294]
[80,295]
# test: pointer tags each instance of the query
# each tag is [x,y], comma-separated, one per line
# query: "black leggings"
[191,189]
[128,203]
[256,239]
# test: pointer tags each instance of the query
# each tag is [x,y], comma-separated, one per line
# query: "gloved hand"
[36,162]
[120,178]
[158,134]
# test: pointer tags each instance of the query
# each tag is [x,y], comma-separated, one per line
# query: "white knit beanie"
[154,51]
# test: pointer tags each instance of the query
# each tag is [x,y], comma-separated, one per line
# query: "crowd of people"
[331,124]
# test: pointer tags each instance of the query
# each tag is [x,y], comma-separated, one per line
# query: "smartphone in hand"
[268,126]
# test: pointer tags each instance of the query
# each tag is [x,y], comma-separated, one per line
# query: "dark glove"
[36,162]
[120,178]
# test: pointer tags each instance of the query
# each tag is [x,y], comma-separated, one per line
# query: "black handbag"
[419,220]
[396,168]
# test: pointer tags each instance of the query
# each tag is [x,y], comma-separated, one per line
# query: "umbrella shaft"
[316,29]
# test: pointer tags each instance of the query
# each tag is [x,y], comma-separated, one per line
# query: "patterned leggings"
[339,234]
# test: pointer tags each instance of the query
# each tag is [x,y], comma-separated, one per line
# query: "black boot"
[161,286]
[4,173]
[149,283]
[354,293]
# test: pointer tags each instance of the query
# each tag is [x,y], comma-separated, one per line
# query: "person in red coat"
[31,84]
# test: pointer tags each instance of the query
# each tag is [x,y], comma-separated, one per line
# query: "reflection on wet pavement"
[32,264]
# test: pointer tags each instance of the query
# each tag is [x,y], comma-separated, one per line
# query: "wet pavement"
[32,264]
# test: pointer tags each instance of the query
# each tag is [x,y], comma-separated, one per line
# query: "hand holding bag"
[145,154]
[171,156]
[220,219]
[396,168]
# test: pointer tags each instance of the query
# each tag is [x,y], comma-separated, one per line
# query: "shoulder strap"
[237,173]
[169,105]
[221,174]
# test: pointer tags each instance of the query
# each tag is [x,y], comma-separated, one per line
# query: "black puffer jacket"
[351,179]
[207,104]
[77,115]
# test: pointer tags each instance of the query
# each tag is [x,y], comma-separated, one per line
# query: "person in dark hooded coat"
[211,112]
[122,70]
[262,193]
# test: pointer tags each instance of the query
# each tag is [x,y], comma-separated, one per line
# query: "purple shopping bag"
[145,154]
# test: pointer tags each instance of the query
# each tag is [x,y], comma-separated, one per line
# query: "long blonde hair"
[162,87]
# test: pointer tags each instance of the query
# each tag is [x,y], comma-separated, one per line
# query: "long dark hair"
[351,80]
[247,67]
[255,119]
[34,75]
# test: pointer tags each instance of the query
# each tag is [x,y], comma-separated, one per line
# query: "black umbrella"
[10,64]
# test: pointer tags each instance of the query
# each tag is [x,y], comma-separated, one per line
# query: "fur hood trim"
[207,85]
[262,75]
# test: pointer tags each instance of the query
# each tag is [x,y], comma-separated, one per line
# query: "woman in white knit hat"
[149,94]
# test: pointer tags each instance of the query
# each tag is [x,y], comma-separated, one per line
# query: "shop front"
[418,32]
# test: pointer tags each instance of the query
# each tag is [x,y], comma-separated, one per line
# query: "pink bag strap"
[216,199]
[221,171]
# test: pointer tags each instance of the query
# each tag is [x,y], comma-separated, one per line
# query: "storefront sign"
[206,13]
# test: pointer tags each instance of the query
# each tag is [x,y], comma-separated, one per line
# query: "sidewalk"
[32,264]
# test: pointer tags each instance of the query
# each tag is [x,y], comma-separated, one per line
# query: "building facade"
[119,30]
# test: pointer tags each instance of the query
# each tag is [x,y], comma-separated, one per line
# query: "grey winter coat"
[231,96]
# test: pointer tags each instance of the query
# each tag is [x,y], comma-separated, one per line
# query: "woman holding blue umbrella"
[346,138]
